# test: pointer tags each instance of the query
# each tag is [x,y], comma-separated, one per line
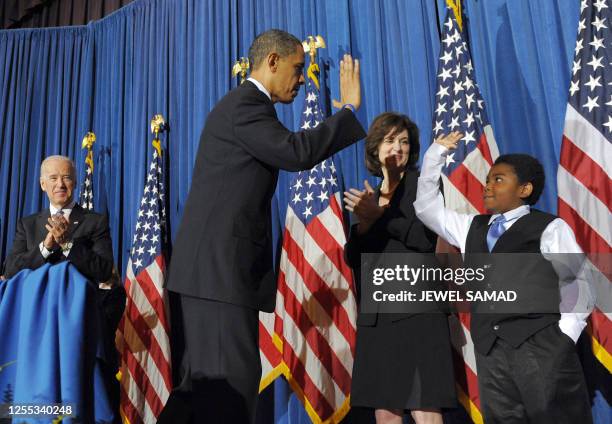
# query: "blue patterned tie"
[495,231]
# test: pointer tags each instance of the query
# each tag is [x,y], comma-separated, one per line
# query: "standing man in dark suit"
[222,261]
[64,232]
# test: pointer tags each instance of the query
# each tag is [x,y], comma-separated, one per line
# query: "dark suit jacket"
[223,249]
[398,230]
[91,252]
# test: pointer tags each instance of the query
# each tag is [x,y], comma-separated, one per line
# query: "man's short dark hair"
[273,40]
[379,128]
[528,170]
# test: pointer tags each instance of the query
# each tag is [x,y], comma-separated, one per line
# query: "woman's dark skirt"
[406,364]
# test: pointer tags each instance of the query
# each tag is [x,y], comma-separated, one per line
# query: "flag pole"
[87,143]
[158,125]
[86,192]
[455,5]
[311,44]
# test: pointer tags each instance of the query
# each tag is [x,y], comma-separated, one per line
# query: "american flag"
[143,334]
[583,177]
[86,192]
[315,317]
[460,107]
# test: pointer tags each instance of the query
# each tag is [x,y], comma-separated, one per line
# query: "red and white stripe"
[316,312]
[585,203]
[144,343]
[269,352]
[463,190]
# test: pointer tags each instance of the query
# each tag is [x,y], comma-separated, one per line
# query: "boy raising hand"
[528,369]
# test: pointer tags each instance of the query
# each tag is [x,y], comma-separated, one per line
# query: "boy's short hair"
[528,170]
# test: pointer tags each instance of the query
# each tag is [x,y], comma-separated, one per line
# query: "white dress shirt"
[453,226]
[66,211]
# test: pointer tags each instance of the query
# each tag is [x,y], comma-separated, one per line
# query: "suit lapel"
[41,221]
[77,216]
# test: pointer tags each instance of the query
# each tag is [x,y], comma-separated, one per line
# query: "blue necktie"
[495,231]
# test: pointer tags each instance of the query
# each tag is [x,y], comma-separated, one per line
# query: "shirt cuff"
[44,251]
[572,326]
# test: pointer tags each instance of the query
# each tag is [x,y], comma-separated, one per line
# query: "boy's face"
[503,191]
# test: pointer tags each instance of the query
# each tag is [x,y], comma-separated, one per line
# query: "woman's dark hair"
[380,127]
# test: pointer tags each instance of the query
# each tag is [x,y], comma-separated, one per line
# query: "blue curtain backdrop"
[174,57]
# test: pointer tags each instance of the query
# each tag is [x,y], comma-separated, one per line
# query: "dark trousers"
[221,367]
[540,382]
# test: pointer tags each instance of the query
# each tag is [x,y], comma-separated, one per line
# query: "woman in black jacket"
[403,361]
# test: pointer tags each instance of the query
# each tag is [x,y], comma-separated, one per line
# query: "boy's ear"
[526,190]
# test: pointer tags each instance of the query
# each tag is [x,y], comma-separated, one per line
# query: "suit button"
[496,327]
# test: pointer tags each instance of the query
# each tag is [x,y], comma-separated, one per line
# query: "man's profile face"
[288,77]
[57,180]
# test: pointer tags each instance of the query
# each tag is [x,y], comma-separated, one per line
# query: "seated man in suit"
[63,232]
[67,232]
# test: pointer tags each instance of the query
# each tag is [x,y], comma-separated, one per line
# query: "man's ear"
[273,59]
[526,190]
[42,186]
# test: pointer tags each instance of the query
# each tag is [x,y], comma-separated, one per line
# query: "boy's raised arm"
[429,205]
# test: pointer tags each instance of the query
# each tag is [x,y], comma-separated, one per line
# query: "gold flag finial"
[158,125]
[311,44]
[240,68]
[87,143]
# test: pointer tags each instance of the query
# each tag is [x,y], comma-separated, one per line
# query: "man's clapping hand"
[58,232]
